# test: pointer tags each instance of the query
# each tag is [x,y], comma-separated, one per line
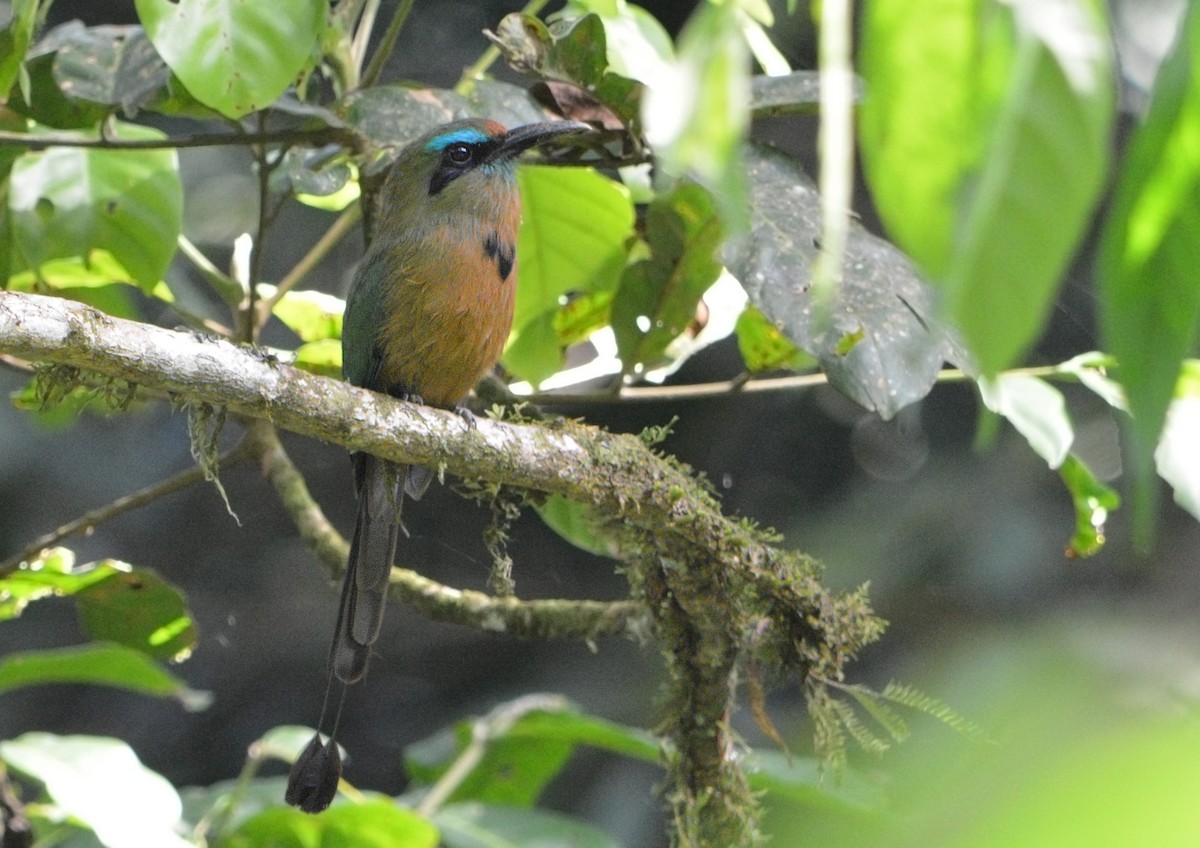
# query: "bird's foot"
[465,414]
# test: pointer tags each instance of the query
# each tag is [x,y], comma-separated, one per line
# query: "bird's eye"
[459,154]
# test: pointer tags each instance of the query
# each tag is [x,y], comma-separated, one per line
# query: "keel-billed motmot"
[428,314]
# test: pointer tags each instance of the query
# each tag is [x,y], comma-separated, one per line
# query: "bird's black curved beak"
[518,140]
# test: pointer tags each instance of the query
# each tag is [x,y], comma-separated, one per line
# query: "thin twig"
[315,138]
[336,232]
[244,450]
[553,618]
[386,45]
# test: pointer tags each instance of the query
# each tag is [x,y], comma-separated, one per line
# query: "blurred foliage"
[985,134]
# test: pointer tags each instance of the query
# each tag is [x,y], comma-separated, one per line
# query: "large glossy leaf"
[573,241]
[985,138]
[884,344]
[66,202]
[101,783]
[234,56]
[1149,288]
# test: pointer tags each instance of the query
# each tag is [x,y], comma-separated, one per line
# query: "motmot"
[428,313]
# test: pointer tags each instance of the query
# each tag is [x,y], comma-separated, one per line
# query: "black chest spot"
[503,252]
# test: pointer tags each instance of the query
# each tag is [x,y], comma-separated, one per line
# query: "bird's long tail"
[373,548]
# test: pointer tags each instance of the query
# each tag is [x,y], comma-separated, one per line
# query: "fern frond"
[867,739]
[915,699]
[875,705]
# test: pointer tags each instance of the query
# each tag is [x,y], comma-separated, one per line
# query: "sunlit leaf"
[1093,503]
[973,108]
[311,315]
[657,297]
[1178,454]
[1037,411]
[322,357]
[234,56]
[903,345]
[137,608]
[130,807]
[573,241]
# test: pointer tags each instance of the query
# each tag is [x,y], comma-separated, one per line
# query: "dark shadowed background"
[963,547]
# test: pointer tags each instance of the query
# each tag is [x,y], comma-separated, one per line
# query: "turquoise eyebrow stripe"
[441,142]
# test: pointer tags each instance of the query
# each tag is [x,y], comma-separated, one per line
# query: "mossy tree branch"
[714,586]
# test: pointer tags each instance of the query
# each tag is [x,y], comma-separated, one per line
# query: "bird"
[428,313]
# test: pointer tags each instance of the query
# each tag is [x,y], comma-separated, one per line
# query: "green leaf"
[67,202]
[805,780]
[110,65]
[40,98]
[578,524]
[657,297]
[234,56]
[1178,454]
[975,107]
[116,602]
[764,347]
[1037,411]
[101,783]
[1091,369]
[51,573]
[787,94]
[522,757]
[371,823]
[573,241]
[311,315]
[1149,291]
[137,608]
[16,38]
[572,50]
[322,357]
[697,113]
[637,45]
[97,665]
[475,825]
[903,344]
[1093,503]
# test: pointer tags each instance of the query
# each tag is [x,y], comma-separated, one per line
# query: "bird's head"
[462,168]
